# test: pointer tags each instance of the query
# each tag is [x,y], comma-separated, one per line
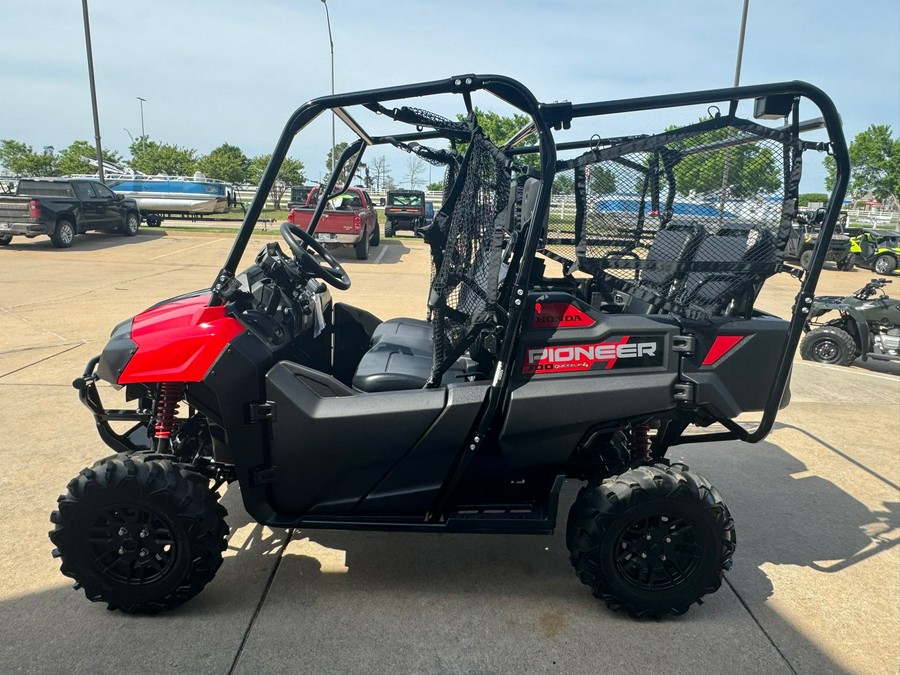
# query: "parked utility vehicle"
[526,375]
[859,325]
[404,210]
[877,250]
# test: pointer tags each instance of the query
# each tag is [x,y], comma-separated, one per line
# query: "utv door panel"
[330,445]
[411,486]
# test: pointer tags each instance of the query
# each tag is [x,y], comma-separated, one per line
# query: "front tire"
[5,239]
[64,234]
[884,264]
[375,239]
[829,344]
[651,541]
[847,263]
[132,225]
[139,535]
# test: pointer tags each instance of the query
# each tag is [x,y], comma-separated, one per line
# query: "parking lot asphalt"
[815,587]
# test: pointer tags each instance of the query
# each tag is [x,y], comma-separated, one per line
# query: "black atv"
[866,326]
[804,235]
[580,345]
[404,210]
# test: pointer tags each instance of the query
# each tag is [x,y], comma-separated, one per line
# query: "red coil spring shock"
[640,435]
[167,408]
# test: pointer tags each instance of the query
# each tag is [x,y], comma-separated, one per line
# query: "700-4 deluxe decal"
[625,352]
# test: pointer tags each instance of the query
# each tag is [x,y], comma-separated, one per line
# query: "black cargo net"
[466,240]
[690,221]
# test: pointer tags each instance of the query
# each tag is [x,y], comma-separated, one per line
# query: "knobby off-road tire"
[847,263]
[829,344]
[806,259]
[651,541]
[64,234]
[389,228]
[140,535]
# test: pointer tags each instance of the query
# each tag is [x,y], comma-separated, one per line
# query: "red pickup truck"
[349,219]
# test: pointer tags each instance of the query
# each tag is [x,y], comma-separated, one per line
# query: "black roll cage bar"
[545,117]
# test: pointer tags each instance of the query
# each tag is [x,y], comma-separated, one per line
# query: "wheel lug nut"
[647,536]
[668,540]
[144,533]
[122,531]
[121,550]
[662,557]
[144,552]
[643,555]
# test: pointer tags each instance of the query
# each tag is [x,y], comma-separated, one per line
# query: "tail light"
[357,221]
[291,218]
[34,208]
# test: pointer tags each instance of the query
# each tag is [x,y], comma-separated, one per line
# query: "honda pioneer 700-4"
[578,339]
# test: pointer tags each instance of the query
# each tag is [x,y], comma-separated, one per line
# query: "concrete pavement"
[815,587]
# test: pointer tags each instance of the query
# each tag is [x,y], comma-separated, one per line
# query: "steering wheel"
[305,251]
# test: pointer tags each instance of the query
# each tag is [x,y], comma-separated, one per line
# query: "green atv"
[867,327]
[877,250]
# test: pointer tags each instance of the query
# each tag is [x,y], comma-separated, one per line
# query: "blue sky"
[224,71]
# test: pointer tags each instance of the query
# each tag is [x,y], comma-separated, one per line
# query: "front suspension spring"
[170,394]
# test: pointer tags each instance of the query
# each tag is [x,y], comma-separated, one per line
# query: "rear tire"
[154,221]
[140,535]
[651,541]
[806,259]
[5,239]
[64,234]
[389,228]
[829,344]
[132,225]
[362,248]
[884,264]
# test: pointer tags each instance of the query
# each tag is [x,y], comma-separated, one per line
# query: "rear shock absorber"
[170,394]
[641,443]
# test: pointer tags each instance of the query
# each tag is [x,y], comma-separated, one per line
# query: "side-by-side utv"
[591,305]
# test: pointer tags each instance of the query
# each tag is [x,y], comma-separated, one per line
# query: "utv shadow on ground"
[385,587]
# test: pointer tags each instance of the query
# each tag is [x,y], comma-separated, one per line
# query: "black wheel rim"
[827,351]
[132,545]
[657,552]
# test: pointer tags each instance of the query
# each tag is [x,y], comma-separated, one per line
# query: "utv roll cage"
[636,239]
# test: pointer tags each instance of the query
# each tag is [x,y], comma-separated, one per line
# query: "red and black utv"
[592,305]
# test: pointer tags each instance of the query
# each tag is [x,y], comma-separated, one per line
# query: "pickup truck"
[349,219]
[405,210]
[61,208]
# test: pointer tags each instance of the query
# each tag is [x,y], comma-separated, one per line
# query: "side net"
[466,239]
[689,221]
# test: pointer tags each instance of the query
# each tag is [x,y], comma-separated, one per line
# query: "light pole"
[740,54]
[90,60]
[331,43]
[142,100]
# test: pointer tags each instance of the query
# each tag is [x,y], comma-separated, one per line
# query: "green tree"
[20,159]
[563,184]
[345,171]
[603,181]
[435,187]
[874,164]
[69,161]
[751,168]
[227,162]
[151,158]
[500,128]
[290,173]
